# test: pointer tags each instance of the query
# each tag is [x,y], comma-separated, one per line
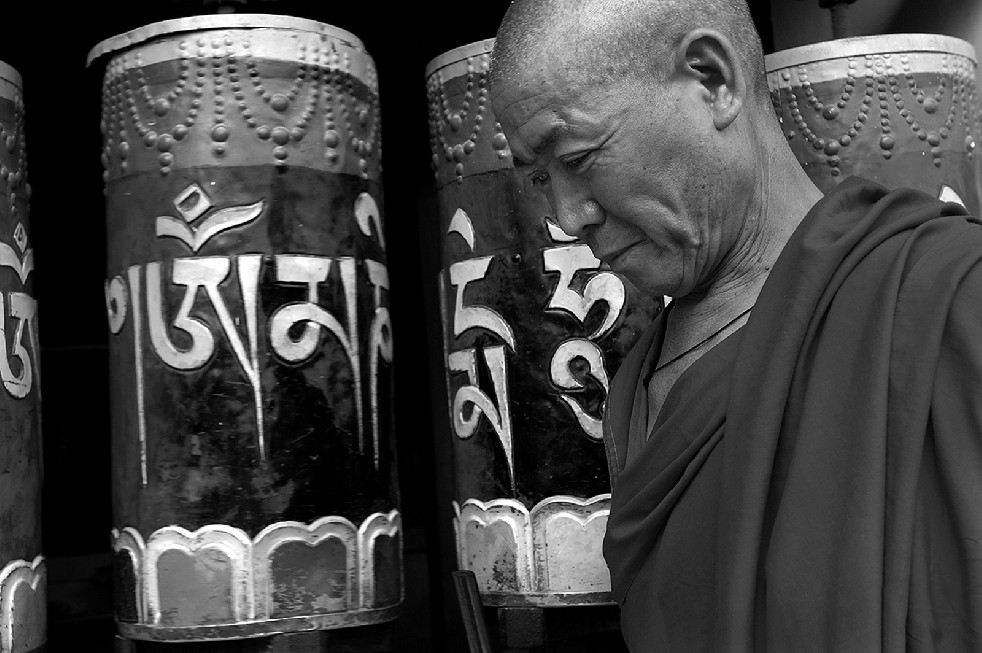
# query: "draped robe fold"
[814,481]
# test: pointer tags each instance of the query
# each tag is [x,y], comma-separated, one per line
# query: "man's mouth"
[608,258]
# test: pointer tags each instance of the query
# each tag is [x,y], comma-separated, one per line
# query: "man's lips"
[611,256]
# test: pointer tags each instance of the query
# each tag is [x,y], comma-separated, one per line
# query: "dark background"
[48,44]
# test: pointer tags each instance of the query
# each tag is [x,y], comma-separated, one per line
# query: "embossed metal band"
[899,109]
[550,555]
[463,139]
[239,90]
[269,583]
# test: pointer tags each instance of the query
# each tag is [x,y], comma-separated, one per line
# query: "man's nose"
[574,208]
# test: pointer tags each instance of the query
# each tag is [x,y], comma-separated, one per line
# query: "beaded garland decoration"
[465,140]
[13,157]
[305,98]
[890,108]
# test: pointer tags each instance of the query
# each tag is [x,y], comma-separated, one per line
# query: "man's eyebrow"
[549,138]
[542,144]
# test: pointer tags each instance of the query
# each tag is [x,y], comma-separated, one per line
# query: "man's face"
[626,166]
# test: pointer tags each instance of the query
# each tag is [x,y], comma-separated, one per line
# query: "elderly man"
[796,443]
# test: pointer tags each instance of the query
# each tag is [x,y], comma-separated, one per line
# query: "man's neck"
[783,197]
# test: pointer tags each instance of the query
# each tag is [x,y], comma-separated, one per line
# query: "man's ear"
[708,57]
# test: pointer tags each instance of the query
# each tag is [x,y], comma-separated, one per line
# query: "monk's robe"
[814,482]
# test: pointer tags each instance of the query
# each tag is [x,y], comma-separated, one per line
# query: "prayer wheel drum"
[23,609]
[533,331]
[898,109]
[254,487]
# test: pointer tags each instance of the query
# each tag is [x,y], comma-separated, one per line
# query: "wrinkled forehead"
[522,91]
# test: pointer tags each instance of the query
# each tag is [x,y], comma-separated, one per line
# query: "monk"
[796,442]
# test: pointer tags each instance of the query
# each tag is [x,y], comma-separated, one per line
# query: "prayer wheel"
[533,330]
[247,292]
[23,610]
[897,109]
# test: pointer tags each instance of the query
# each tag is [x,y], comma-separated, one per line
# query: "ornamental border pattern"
[250,560]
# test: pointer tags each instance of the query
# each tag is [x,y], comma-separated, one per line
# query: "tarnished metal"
[898,109]
[247,294]
[23,609]
[533,330]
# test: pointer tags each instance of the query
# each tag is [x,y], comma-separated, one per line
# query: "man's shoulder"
[925,236]
[940,246]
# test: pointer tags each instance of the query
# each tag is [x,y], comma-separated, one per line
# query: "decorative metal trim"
[545,573]
[465,137]
[12,577]
[860,46]
[219,21]
[250,562]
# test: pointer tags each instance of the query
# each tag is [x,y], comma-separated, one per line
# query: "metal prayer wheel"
[247,293]
[897,109]
[533,331]
[23,609]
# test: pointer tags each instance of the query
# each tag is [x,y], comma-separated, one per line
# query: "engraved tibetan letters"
[247,294]
[533,331]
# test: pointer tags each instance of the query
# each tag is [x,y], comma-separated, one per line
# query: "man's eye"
[539,178]
[576,162]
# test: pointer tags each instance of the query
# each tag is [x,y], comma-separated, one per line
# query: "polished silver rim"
[459,54]
[867,45]
[219,21]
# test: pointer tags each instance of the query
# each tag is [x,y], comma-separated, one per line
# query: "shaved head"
[602,40]
[648,125]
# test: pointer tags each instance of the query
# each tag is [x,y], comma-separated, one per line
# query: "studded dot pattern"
[15,189]
[231,97]
[465,138]
[841,115]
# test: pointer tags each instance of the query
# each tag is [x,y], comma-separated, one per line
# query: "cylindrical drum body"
[247,293]
[533,330]
[897,109]
[23,610]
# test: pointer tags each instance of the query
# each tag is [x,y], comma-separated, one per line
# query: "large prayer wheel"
[23,610]
[254,485]
[897,109]
[533,331]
